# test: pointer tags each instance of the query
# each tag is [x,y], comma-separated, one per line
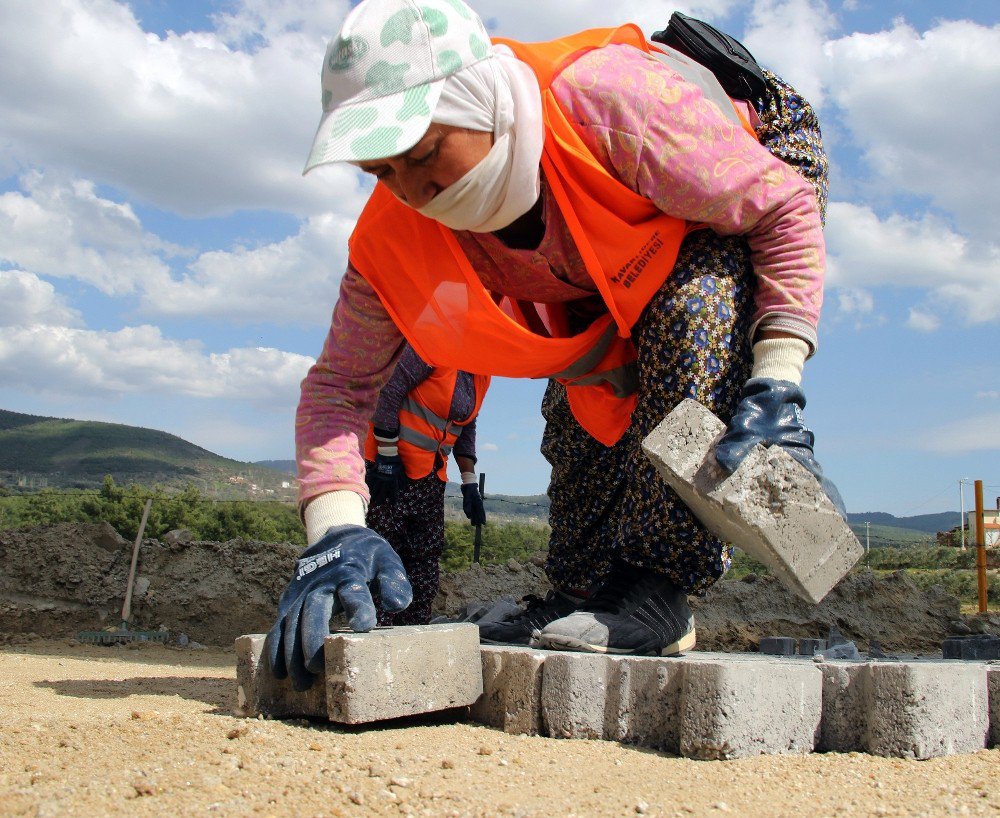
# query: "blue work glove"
[770,412]
[331,576]
[386,479]
[472,504]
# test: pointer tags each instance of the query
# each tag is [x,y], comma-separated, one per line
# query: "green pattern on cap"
[414,103]
[399,27]
[479,48]
[437,23]
[378,144]
[345,52]
[449,62]
[386,78]
[353,119]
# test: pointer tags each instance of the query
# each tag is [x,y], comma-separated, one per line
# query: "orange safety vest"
[426,435]
[628,246]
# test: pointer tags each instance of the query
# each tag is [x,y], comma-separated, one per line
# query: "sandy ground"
[98,731]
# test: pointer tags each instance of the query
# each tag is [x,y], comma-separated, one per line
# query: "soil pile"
[60,579]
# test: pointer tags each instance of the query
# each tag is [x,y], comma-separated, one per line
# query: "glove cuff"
[780,358]
[469,477]
[386,442]
[342,507]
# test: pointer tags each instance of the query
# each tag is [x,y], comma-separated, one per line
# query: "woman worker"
[423,414]
[573,210]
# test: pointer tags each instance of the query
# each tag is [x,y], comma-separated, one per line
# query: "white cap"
[383,73]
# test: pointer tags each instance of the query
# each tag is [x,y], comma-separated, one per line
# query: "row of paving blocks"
[701,705]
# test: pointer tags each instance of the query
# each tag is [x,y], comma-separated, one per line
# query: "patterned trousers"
[414,526]
[692,342]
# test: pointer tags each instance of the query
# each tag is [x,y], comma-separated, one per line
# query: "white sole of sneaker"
[557,642]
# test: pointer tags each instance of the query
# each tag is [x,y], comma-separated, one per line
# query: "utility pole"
[868,543]
[961,500]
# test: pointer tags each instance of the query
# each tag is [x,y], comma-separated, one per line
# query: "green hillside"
[59,453]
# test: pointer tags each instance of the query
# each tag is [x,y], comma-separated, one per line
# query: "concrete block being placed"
[402,671]
[258,693]
[771,506]
[384,674]
[907,710]
[735,709]
[512,690]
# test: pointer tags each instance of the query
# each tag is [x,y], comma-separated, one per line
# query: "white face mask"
[507,181]
[479,201]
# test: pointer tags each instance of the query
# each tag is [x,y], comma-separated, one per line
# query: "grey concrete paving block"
[807,647]
[735,709]
[905,709]
[993,689]
[632,699]
[771,506]
[979,646]
[777,646]
[258,693]
[402,671]
[512,689]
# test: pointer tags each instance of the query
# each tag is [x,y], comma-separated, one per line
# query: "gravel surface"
[148,731]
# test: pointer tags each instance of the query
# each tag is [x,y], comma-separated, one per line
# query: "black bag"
[734,67]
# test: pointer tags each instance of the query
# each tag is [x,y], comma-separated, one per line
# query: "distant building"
[991,528]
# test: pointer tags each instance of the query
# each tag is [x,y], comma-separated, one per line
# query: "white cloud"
[26,300]
[868,251]
[295,280]
[140,360]
[184,122]
[992,394]
[68,231]
[923,321]
[489,447]
[921,107]
[972,434]
[788,38]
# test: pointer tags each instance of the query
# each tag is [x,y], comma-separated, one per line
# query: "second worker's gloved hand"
[770,413]
[472,504]
[331,576]
[386,478]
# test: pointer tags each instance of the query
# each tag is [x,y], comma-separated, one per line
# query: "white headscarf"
[498,94]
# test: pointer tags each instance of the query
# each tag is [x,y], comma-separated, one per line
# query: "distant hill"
[286,466]
[929,523]
[50,452]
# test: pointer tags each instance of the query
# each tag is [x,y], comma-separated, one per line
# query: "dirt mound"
[60,579]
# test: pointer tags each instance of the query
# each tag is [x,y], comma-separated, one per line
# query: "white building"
[991,528]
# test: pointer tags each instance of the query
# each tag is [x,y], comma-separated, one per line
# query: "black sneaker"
[633,612]
[516,628]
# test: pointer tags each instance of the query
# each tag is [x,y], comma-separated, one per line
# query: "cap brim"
[374,129]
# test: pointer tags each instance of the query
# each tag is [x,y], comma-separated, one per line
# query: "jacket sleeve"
[339,392]
[410,372]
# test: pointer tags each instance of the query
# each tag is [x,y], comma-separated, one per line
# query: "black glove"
[331,576]
[770,413]
[472,504]
[386,478]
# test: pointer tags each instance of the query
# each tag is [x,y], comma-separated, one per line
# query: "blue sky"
[164,264]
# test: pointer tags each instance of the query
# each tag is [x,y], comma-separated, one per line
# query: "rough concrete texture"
[258,693]
[401,671]
[904,709]
[993,688]
[384,674]
[734,709]
[710,705]
[512,690]
[770,507]
[630,699]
